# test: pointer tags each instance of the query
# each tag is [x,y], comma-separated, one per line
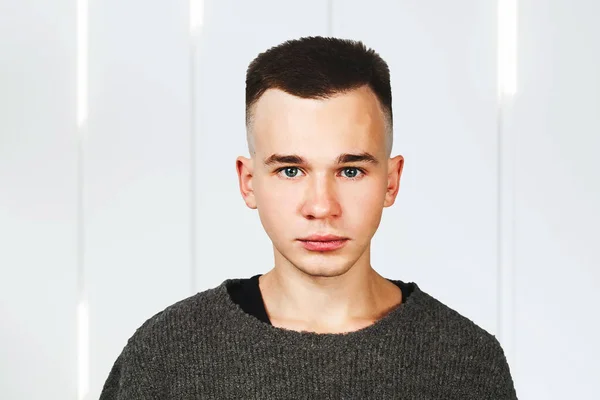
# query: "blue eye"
[352,177]
[288,169]
[352,169]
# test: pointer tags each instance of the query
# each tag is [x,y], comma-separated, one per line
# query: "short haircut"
[318,67]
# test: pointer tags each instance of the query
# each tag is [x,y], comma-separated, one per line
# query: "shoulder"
[448,322]
[177,320]
[453,337]
[454,342]
[154,349]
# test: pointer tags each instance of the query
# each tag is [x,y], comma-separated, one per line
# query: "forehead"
[347,122]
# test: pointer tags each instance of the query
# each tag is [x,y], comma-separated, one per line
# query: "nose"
[321,200]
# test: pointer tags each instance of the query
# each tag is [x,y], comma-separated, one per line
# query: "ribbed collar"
[398,318]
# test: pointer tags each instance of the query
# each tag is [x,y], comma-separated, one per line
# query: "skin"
[324,292]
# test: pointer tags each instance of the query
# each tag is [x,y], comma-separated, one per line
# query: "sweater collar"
[396,319]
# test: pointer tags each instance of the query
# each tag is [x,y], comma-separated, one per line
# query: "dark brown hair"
[319,67]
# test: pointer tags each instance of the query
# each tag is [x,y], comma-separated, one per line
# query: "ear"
[245,170]
[395,166]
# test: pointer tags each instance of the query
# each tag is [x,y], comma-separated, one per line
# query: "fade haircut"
[318,67]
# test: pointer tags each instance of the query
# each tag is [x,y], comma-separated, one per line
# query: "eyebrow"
[343,158]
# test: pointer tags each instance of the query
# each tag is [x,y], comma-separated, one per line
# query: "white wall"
[137,170]
[38,200]
[555,123]
[496,214]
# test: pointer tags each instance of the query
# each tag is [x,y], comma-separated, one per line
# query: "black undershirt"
[247,294]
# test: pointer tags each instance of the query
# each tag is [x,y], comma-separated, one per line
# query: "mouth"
[323,245]
[323,238]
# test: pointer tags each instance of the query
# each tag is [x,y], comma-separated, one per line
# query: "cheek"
[365,209]
[275,211]
[367,197]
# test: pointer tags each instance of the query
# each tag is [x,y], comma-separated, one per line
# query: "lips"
[323,238]
[323,245]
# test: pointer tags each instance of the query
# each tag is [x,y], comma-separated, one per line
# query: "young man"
[322,323]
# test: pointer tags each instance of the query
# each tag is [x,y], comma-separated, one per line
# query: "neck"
[296,300]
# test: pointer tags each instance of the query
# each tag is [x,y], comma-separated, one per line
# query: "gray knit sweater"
[207,347]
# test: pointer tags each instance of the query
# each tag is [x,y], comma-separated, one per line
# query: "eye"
[287,169]
[291,172]
[353,177]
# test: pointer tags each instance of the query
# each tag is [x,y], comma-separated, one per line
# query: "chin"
[323,270]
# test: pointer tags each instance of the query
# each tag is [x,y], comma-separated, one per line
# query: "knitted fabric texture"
[207,347]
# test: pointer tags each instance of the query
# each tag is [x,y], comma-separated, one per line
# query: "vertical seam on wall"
[81,293]
[192,154]
[82,126]
[80,177]
[506,276]
[499,222]
[506,141]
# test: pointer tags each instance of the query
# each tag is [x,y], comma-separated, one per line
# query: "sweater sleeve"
[110,390]
[133,375]
[500,384]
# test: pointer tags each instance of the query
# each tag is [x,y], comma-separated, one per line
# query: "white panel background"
[556,124]
[38,200]
[160,191]
[137,170]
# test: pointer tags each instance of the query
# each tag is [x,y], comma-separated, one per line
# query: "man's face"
[295,200]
